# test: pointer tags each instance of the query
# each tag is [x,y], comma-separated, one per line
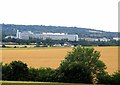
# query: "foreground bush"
[41,74]
[116,78]
[16,70]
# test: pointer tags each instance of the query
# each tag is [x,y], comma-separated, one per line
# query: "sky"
[94,14]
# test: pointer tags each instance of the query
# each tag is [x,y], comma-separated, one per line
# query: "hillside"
[10,29]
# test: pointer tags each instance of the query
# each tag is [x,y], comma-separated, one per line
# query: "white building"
[116,38]
[104,39]
[9,37]
[53,36]
[90,39]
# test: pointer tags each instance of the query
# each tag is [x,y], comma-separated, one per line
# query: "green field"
[39,83]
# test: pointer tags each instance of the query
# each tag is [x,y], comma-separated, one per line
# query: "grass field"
[38,83]
[51,57]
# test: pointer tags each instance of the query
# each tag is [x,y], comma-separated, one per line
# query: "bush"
[104,78]
[15,71]
[3,46]
[19,70]
[25,46]
[116,78]
[37,45]
[46,74]
[33,74]
[41,74]
[6,72]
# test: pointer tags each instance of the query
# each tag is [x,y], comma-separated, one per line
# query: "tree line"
[81,65]
[52,42]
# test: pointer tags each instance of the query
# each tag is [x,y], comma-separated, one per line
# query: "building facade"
[53,36]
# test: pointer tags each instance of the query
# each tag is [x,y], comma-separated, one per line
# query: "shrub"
[116,78]
[15,71]
[3,46]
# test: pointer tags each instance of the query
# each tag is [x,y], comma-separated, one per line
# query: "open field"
[39,83]
[51,57]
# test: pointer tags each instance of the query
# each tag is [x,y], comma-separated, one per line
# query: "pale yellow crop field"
[51,57]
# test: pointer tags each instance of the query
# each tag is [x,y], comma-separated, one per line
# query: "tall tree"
[81,65]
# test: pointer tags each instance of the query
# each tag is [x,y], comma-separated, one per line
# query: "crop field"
[39,83]
[52,56]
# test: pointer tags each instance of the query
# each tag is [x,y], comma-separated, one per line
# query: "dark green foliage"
[33,74]
[104,78]
[52,42]
[81,65]
[19,70]
[75,73]
[16,71]
[3,46]
[25,46]
[41,74]
[116,78]
[6,72]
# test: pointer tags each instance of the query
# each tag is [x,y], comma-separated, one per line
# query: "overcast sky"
[95,14]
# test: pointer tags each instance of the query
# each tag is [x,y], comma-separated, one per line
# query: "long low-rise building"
[53,36]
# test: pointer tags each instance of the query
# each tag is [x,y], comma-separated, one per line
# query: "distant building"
[9,37]
[18,34]
[57,45]
[67,44]
[90,39]
[96,39]
[116,38]
[53,36]
[104,39]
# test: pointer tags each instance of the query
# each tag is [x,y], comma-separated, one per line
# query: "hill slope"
[10,29]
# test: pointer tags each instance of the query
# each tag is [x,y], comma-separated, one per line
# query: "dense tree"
[104,78]
[116,78]
[41,74]
[33,74]
[19,70]
[82,65]
[74,72]
[6,72]
[46,74]
[52,42]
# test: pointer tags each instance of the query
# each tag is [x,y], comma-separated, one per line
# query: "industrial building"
[53,36]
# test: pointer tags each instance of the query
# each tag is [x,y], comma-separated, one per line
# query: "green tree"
[33,74]
[19,70]
[46,74]
[6,72]
[104,78]
[81,65]
[116,78]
